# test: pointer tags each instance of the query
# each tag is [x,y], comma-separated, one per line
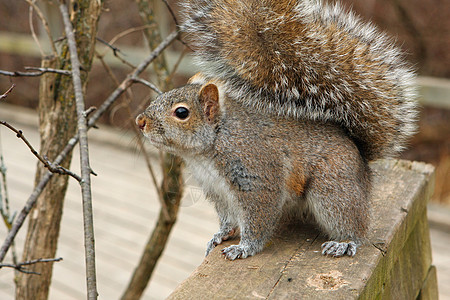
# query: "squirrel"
[294,99]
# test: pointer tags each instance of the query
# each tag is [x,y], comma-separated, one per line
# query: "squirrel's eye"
[181,113]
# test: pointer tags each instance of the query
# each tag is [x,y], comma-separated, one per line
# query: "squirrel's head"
[183,120]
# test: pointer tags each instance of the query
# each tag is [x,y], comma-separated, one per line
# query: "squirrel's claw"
[338,249]
[218,238]
[236,251]
[212,244]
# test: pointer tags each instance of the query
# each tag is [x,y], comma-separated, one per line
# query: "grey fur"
[258,170]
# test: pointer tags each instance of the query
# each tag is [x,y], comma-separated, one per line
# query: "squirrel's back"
[307,59]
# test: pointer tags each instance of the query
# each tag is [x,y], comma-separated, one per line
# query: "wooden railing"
[395,263]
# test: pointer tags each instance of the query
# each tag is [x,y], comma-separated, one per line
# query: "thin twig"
[171,12]
[126,32]
[49,70]
[176,65]
[85,183]
[5,94]
[113,48]
[169,8]
[141,145]
[116,52]
[52,168]
[33,33]
[148,84]
[41,16]
[128,93]
[89,111]
[20,219]
[41,71]
[8,218]
[20,266]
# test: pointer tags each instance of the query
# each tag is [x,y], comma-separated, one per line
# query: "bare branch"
[20,219]
[51,167]
[171,12]
[116,52]
[8,218]
[128,31]
[5,94]
[159,236]
[33,33]
[141,144]
[148,84]
[113,48]
[176,65]
[89,242]
[89,111]
[20,266]
[169,8]
[49,70]
[41,16]
[126,83]
[41,71]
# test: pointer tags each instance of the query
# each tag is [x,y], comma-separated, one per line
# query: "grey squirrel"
[294,99]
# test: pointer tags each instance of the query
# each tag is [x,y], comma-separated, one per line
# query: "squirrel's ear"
[209,99]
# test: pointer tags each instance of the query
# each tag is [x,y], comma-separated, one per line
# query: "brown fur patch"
[296,181]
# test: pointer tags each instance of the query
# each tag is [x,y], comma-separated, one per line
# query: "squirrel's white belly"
[206,174]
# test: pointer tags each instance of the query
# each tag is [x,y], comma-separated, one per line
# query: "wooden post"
[395,263]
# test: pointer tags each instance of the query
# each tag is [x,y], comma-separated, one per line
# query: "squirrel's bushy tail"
[307,59]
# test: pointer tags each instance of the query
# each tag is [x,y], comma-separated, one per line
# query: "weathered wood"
[394,263]
[429,290]
[409,267]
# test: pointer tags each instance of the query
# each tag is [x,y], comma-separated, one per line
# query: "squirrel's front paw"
[338,249]
[237,251]
[218,238]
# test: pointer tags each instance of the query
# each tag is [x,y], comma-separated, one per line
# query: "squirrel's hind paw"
[338,249]
[238,251]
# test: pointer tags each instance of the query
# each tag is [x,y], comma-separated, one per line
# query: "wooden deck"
[125,209]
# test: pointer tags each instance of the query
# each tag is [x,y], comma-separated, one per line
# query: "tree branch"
[51,167]
[5,94]
[141,143]
[171,12]
[8,218]
[33,33]
[41,16]
[115,51]
[74,140]
[41,71]
[148,84]
[89,242]
[126,32]
[20,266]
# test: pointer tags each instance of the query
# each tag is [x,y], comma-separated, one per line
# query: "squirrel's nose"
[141,121]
